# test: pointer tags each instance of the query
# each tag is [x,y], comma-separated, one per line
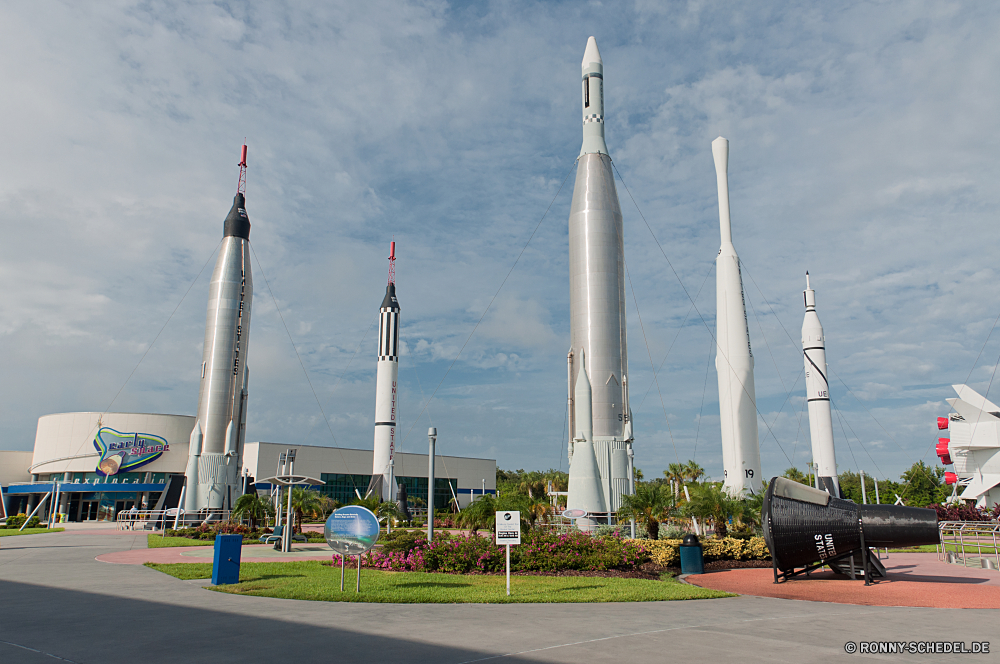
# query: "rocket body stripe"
[597,304]
[734,358]
[818,396]
[222,393]
[386,396]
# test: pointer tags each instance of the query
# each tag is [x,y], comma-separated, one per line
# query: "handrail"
[964,542]
[128,520]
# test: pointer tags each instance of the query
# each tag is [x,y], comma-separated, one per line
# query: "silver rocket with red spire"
[217,438]
[386,379]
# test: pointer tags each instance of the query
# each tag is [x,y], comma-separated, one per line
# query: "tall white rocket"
[733,359]
[213,469]
[386,378]
[818,395]
[600,424]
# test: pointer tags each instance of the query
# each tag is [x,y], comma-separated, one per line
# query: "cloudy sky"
[863,149]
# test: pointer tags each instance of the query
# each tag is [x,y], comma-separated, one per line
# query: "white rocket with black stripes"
[818,395]
[386,392]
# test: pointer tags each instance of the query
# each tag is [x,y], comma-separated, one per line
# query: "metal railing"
[163,519]
[970,543]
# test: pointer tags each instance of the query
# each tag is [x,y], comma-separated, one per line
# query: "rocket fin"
[971,413]
[970,396]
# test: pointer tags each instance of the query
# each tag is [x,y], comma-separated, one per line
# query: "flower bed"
[665,552]
[539,552]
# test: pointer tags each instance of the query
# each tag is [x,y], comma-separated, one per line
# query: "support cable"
[476,327]
[719,352]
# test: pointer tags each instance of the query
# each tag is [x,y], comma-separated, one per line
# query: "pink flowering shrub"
[538,552]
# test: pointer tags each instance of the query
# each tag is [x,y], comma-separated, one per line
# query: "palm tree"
[328,505]
[675,472]
[382,510]
[693,471]
[254,508]
[710,501]
[537,508]
[650,504]
[305,501]
[481,514]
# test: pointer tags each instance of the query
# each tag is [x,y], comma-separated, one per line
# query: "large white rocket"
[600,418]
[733,359]
[212,475]
[386,378]
[973,448]
[818,396]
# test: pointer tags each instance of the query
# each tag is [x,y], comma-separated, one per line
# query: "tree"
[693,471]
[481,514]
[650,504]
[675,474]
[382,510]
[253,508]
[711,502]
[637,474]
[537,508]
[795,475]
[305,501]
[924,485]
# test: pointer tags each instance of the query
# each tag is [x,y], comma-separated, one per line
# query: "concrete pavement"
[58,603]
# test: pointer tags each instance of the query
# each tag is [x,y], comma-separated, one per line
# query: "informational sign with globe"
[351,530]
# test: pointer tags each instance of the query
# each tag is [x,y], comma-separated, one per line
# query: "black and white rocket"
[387,375]
[212,475]
[733,359]
[818,396]
[600,418]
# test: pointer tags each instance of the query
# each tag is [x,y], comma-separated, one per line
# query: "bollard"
[692,560]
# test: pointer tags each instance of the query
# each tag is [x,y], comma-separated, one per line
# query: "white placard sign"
[508,527]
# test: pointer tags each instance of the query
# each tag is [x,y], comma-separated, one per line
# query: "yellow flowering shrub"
[666,553]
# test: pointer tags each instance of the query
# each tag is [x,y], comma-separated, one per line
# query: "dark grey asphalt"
[58,604]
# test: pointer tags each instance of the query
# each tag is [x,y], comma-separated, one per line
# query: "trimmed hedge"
[665,552]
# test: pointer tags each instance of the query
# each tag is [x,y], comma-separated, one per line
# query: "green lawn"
[313,580]
[7,532]
[926,548]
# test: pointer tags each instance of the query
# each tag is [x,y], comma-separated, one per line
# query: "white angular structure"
[214,464]
[974,447]
[818,396]
[597,312]
[733,359]
[386,379]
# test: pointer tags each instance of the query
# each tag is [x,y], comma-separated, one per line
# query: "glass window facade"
[341,486]
[416,487]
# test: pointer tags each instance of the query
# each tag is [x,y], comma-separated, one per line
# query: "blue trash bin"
[692,560]
[226,566]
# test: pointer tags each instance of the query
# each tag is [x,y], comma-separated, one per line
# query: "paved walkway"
[59,602]
[251,553]
[914,579]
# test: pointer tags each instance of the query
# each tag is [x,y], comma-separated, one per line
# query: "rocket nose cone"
[592,54]
[720,151]
[237,222]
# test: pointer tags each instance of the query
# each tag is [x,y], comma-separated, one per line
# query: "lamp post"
[286,542]
[431,440]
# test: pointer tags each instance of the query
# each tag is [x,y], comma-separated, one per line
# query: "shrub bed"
[539,552]
[18,520]
[666,553]
[206,532]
